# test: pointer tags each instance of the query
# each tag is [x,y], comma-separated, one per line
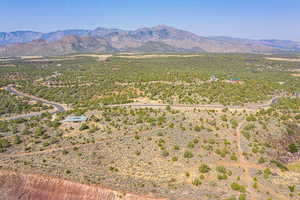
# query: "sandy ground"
[100,57]
[297,75]
[158,56]
[285,59]
[295,166]
[49,59]
[31,57]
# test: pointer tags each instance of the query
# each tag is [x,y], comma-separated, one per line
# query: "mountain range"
[159,39]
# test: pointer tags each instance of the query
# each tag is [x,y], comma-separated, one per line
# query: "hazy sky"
[256,19]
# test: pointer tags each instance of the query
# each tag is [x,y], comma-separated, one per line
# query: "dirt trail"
[246,177]
[61,107]
[246,166]
[57,107]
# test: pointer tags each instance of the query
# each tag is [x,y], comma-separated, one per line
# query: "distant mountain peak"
[160,38]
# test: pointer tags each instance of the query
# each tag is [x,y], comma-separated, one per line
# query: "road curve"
[58,108]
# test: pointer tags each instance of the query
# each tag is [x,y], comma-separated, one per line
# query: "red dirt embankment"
[17,186]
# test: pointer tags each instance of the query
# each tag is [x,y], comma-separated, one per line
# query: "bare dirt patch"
[157,56]
[146,100]
[31,57]
[296,75]
[100,57]
[285,59]
[49,59]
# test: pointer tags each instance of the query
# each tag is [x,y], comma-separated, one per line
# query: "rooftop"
[76,119]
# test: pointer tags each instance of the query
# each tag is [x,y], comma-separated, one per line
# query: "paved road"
[58,108]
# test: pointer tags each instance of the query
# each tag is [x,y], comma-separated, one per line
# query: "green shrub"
[165,153]
[222,176]
[174,159]
[293,148]
[267,173]
[279,165]
[197,128]
[196,182]
[191,145]
[83,127]
[291,188]
[251,118]
[17,140]
[176,147]
[4,144]
[188,154]
[261,160]
[231,198]
[242,197]
[221,169]
[238,187]
[204,168]
[233,157]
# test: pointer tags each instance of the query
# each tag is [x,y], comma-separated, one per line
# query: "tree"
[204,168]
[17,140]
[4,144]
[188,154]
[83,127]
[293,148]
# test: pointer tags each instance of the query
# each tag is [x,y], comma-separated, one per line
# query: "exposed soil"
[36,187]
[157,56]
[296,75]
[285,59]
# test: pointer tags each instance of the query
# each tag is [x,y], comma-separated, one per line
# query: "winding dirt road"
[61,108]
[58,108]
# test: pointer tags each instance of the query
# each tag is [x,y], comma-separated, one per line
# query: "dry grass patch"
[295,166]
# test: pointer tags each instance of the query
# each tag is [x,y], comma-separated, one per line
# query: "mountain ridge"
[161,38]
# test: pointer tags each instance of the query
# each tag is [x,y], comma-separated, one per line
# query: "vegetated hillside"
[155,39]
[175,152]
[160,47]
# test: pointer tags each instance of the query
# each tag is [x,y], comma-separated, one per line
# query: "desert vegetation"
[174,152]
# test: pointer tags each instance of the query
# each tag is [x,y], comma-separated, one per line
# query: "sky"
[253,19]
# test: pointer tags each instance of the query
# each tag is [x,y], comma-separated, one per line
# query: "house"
[235,80]
[213,78]
[76,119]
